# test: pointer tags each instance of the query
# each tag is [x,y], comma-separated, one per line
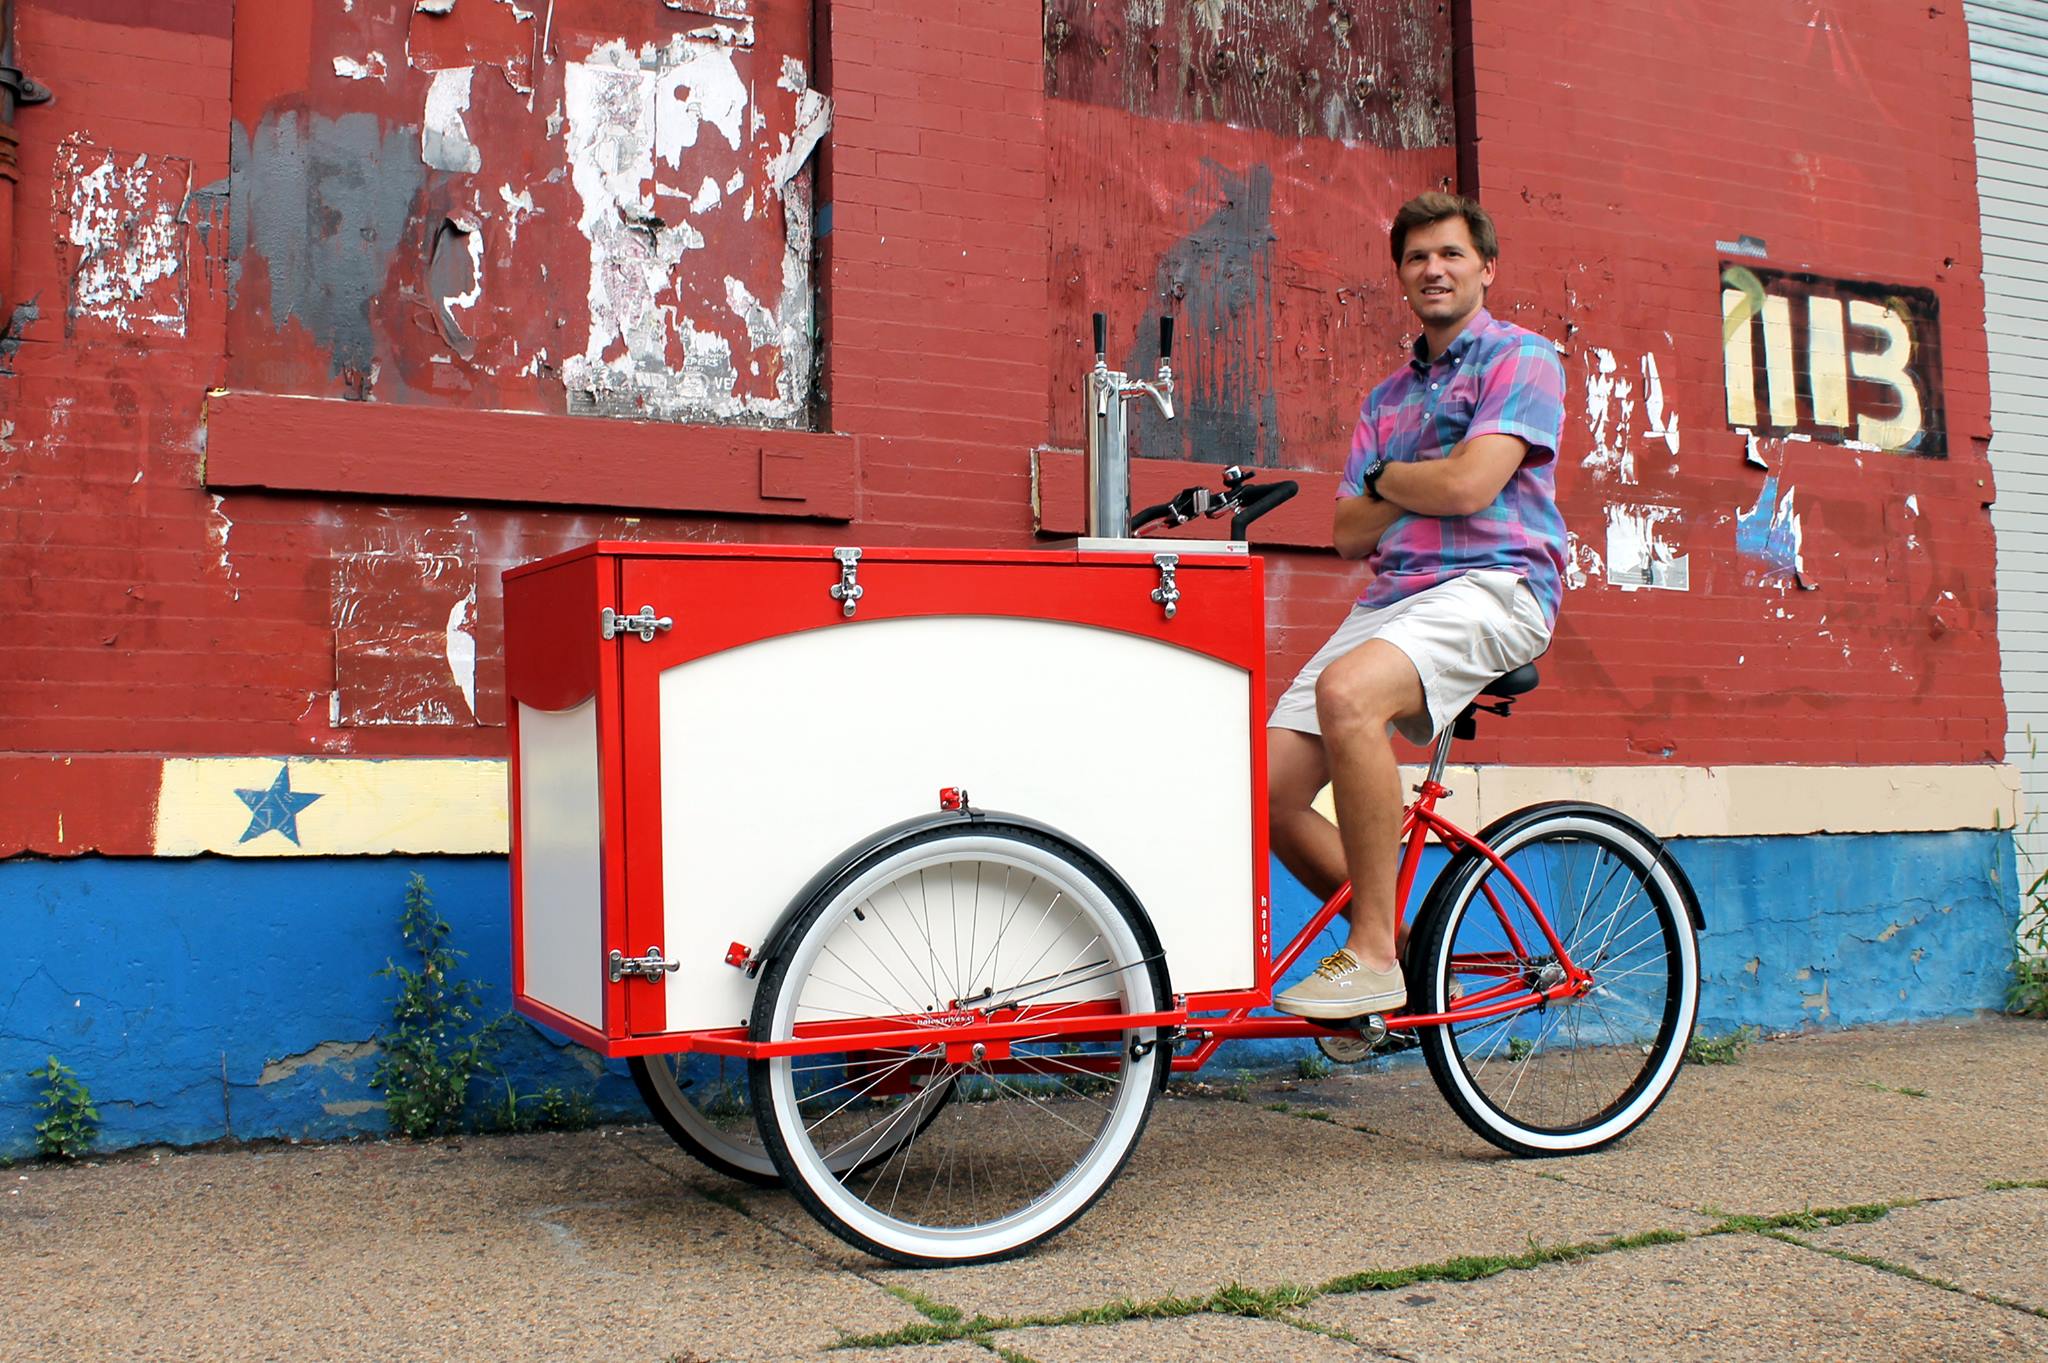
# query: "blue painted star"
[276,808]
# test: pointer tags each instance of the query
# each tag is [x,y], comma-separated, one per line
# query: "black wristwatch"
[1372,479]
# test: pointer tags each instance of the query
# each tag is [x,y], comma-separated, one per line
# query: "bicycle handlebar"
[1239,497]
[1256,502]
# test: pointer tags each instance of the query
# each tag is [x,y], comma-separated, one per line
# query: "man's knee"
[1366,689]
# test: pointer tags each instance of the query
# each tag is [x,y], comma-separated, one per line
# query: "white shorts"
[1459,634]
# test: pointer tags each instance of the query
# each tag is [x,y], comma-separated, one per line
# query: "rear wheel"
[1577,1073]
[963,1154]
[706,1104]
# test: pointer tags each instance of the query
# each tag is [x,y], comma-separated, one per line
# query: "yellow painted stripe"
[366,807]
[458,806]
[1730,802]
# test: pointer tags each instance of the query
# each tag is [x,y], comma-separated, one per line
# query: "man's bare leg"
[1306,842]
[1357,697]
[1308,845]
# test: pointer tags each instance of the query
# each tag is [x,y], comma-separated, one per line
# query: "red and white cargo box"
[675,785]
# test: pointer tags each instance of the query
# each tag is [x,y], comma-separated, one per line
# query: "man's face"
[1442,272]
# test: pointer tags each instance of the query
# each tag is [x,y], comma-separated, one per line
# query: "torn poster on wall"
[1611,404]
[1768,535]
[594,206]
[1841,360]
[405,613]
[1640,549]
[122,232]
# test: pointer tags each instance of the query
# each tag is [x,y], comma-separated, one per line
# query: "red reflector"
[953,798]
[738,954]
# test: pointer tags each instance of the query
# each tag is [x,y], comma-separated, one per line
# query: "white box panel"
[778,756]
[561,889]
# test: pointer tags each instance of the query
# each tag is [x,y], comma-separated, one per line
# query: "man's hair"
[1425,210]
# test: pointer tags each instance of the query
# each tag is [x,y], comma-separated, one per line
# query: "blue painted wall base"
[199,999]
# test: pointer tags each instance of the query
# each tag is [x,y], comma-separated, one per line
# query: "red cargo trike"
[745,858]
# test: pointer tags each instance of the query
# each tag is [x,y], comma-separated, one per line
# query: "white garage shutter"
[2009,75]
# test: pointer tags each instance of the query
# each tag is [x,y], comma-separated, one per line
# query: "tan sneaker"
[1342,987]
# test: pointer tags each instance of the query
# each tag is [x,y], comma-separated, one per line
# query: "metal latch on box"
[847,590]
[1167,593]
[648,967]
[611,624]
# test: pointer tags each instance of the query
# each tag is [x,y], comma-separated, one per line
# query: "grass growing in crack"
[2007,1185]
[1472,1267]
[1725,1049]
[1313,1067]
[1279,1303]
[935,1311]
[1912,1274]
[1007,1355]
[1891,1088]
[1813,1218]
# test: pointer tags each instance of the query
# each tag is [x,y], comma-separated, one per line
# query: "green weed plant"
[435,1046]
[70,1120]
[2028,994]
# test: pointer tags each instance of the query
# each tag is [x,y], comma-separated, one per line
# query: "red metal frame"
[1420,821]
[935,584]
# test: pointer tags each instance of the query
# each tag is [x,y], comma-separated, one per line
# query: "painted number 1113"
[1842,359]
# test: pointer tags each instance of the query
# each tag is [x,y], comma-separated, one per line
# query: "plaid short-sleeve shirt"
[1495,377]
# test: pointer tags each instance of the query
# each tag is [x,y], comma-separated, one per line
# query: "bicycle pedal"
[1345,1048]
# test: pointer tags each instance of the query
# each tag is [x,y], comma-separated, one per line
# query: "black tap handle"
[1101,334]
[1165,337]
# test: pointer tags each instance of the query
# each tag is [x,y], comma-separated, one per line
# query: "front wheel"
[1578,1073]
[962,1153]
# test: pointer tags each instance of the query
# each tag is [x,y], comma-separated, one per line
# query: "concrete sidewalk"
[1878,1194]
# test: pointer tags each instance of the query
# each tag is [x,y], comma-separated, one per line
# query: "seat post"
[1442,757]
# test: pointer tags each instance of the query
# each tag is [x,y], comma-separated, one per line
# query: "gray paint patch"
[1219,279]
[15,332]
[324,202]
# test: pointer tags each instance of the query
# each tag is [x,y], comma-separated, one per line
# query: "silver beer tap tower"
[1109,455]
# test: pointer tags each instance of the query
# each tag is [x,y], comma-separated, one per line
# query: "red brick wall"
[147,613]
[1617,144]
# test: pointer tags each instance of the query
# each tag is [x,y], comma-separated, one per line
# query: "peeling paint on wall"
[1770,535]
[444,140]
[455,279]
[1640,552]
[1582,562]
[1606,390]
[123,232]
[1378,73]
[404,612]
[650,349]
[371,67]
[1611,401]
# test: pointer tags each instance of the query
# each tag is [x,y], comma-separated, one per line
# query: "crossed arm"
[1460,484]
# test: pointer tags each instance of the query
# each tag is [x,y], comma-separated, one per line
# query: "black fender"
[1512,822]
[887,840]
